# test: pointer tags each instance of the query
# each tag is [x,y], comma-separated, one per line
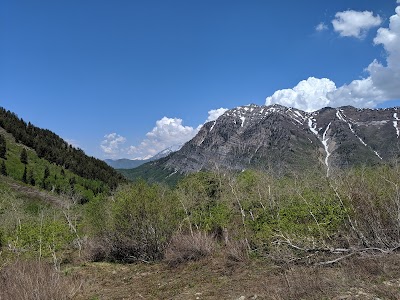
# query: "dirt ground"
[376,277]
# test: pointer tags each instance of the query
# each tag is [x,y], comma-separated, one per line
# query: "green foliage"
[24,156]
[30,228]
[24,176]
[50,235]
[153,173]
[136,223]
[3,147]
[46,175]
[31,178]
[3,168]
[201,196]
[52,148]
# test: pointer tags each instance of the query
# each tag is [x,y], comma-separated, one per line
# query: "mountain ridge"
[280,139]
[126,163]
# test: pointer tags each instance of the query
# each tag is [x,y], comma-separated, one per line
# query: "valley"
[202,230]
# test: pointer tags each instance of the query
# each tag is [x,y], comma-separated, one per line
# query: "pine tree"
[3,169]
[31,179]
[24,179]
[46,173]
[3,147]
[24,156]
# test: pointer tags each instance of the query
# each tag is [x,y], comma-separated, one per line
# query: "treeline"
[51,147]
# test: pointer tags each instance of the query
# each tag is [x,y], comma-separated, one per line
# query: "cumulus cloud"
[215,113]
[307,95]
[356,24]
[111,144]
[381,84]
[322,27]
[383,80]
[167,132]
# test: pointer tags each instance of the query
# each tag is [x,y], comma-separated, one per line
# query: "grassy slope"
[23,207]
[15,169]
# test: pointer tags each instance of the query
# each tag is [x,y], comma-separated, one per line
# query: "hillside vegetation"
[304,235]
[39,158]
[50,147]
[230,219]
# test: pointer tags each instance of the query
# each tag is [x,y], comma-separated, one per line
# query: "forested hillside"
[39,157]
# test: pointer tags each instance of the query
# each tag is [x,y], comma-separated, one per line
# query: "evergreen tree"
[31,179]
[3,147]
[24,156]
[24,179]
[3,169]
[46,173]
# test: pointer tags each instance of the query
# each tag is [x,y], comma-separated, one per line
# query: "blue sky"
[129,78]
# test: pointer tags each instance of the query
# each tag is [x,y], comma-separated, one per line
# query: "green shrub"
[136,223]
[202,197]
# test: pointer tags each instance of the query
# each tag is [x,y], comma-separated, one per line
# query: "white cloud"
[381,84]
[383,81]
[167,132]
[352,23]
[322,27]
[215,113]
[308,95]
[111,144]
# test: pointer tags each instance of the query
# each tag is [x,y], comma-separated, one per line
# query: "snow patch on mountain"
[326,146]
[396,124]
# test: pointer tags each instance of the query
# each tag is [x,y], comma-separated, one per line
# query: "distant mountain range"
[279,139]
[125,163]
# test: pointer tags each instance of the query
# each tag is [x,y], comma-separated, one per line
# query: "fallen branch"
[350,251]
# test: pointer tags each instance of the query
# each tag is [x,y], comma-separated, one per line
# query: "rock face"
[280,139]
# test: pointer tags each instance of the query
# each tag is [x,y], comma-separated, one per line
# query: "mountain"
[279,139]
[166,152]
[40,158]
[125,163]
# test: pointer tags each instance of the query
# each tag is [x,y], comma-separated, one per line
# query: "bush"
[26,280]
[185,247]
[237,251]
[135,224]
[202,196]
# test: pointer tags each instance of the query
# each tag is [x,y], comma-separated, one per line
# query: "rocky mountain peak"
[280,139]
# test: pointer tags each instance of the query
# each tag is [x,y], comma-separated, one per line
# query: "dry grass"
[367,278]
[33,280]
[97,249]
[185,247]
[237,251]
